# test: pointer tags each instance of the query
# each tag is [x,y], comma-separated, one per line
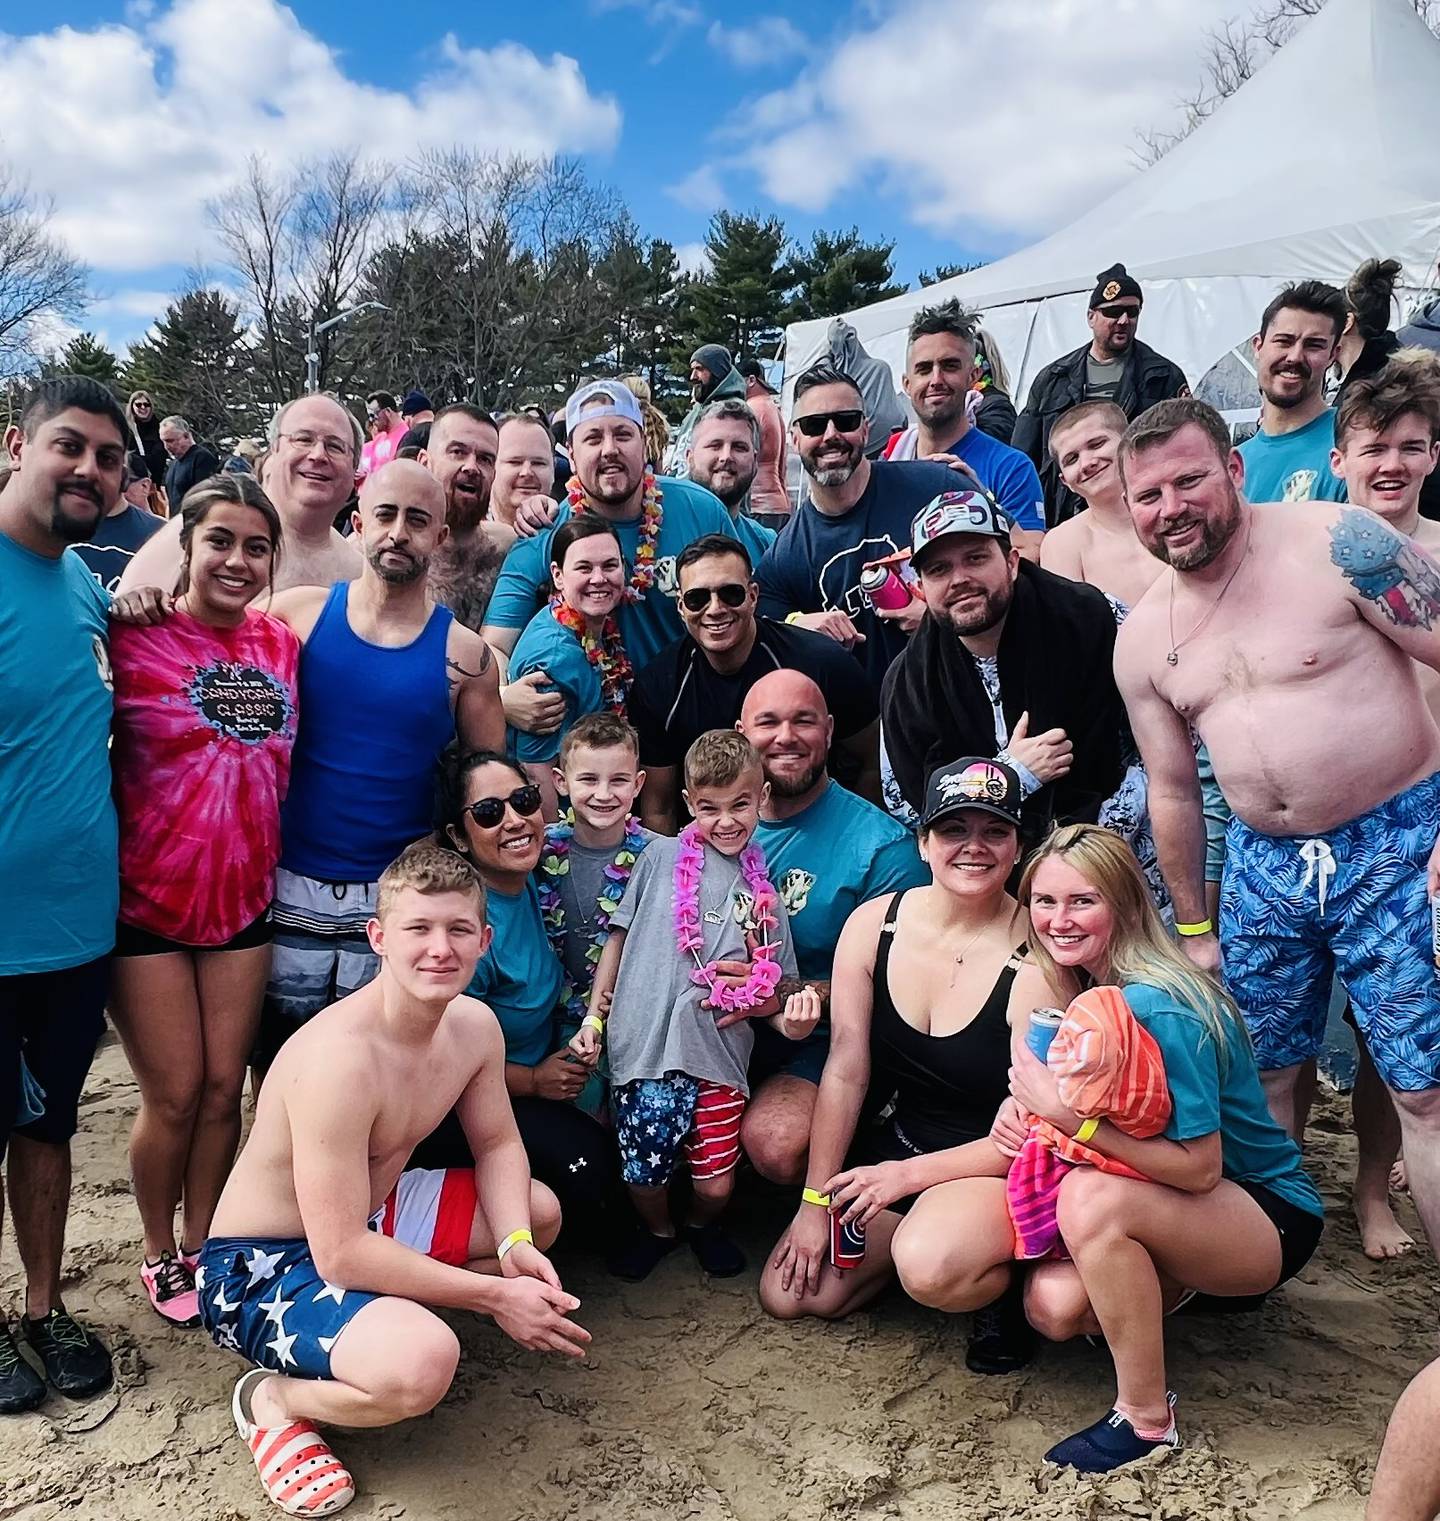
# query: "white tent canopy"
[1325,157]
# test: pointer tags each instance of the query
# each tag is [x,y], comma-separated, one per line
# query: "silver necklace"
[1173,658]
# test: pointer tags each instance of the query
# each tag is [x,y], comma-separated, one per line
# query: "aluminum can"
[1043,1025]
[884,588]
[847,1243]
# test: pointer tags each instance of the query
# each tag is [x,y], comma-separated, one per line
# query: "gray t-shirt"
[579,893]
[1102,378]
[656,1023]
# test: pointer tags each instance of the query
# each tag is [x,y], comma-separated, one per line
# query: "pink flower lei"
[759,987]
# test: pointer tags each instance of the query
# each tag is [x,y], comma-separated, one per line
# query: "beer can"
[1043,1025]
[847,1242]
[884,588]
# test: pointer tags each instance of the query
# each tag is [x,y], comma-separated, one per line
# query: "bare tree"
[1232,53]
[38,277]
[300,245]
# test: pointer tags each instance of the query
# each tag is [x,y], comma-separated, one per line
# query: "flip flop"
[301,1475]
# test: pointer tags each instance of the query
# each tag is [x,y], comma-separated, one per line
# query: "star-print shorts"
[263,1297]
[1296,912]
[655,1117]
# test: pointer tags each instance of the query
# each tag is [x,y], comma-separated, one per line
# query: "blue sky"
[959,128]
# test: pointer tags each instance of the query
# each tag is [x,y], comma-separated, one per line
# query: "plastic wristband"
[793,617]
[814,1196]
[513,1240]
[1203,928]
[593,1022]
[1087,1131]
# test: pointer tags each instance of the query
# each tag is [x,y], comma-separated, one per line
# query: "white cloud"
[700,190]
[694,258]
[656,12]
[131,129]
[768,42]
[1001,119]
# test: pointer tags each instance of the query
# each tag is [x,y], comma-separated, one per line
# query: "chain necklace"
[958,959]
[1173,658]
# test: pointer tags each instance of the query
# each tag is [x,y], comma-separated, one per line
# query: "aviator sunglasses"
[697,599]
[1115,313]
[488,811]
[815,425]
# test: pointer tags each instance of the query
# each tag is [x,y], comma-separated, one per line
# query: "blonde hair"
[1141,949]
[719,758]
[429,868]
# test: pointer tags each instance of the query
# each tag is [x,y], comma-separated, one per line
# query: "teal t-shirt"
[1293,467]
[825,862]
[1253,1148]
[548,646]
[520,976]
[59,843]
[756,537]
[687,512]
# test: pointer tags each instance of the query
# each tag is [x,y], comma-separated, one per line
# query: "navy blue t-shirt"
[115,544]
[814,566]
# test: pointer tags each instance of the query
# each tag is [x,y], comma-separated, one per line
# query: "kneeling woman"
[205,711]
[926,986]
[1228,1210]
[492,816]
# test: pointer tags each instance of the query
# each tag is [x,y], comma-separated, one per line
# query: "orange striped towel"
[1106,1065]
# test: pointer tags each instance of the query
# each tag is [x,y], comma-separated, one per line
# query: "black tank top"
[947,1087]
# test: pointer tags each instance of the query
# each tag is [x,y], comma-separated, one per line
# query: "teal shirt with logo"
[1293,467]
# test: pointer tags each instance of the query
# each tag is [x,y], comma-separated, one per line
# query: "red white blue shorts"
[432,1210]
[656,1118]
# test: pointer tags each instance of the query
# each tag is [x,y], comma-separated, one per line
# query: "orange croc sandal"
[300,1473]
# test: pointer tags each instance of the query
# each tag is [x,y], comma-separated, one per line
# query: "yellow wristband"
[1087,1131]
[793,617]
[593,1022]
[814,1196]
[1203,928]
[513,1240]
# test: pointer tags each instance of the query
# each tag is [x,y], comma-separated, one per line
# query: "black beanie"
[1112,283]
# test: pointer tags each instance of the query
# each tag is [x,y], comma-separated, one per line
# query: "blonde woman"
[1229,1211]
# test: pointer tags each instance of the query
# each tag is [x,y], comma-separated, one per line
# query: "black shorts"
[1299,1229]
[131,940]
[888,1142]
[56,1020]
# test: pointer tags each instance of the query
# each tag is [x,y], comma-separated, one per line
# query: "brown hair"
[432,869]
[242,489]
[1409,383]
[1160,423]
[600,731]
[1104,412]
[719,758]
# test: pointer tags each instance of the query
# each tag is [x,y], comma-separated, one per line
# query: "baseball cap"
[955,512]
[415,401]
[973,781]
[603,398]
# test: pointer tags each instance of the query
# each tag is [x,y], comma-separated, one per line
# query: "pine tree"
[839,272]
[948,272]
[86,355]
[740,301]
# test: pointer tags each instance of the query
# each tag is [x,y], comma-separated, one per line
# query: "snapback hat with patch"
[987,786]
[957,512]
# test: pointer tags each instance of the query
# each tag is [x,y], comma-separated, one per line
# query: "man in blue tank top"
[388,678]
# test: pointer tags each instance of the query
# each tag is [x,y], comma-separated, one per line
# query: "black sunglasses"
[697,599]
[1115,313]
[815,425]
[488,811]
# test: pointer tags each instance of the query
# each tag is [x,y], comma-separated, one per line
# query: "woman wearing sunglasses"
[575,641]
[492,814]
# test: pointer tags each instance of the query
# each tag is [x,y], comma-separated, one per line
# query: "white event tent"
[1328,155]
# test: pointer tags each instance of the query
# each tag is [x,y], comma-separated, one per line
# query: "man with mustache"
[59,864]
[1287,637]
[1288,460]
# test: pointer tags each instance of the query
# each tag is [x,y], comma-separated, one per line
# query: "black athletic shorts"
[131,940]
[56,1019]
[1299,1229]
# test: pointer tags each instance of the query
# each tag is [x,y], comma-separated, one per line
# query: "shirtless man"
[1098,546]
[325,1250]
[1386,429]
[1288,638]
[314,443]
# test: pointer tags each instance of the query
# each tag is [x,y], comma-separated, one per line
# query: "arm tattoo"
[1386,568]
[458,672]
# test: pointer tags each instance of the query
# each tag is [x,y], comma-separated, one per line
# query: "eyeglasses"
[1115,313]
[815,425]
[336,448]
[488,811]
[697,599]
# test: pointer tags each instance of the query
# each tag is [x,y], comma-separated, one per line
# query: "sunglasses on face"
[1115,313]
[697,599]
[488,811]
[815,425]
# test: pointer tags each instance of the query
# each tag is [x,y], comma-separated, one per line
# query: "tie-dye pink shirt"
[204,726]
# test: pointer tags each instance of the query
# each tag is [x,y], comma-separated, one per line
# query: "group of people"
[547,853]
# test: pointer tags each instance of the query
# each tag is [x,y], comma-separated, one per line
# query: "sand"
[694,1404]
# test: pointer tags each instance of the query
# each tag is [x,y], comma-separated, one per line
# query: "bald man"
[828,852]
[388,678]
[314,444]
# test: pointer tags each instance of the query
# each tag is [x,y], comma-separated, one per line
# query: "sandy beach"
[694,1404]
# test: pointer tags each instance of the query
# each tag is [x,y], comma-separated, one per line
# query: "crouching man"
[325,1250]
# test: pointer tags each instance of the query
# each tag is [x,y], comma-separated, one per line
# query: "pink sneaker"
[191,1259]
[170,1283]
